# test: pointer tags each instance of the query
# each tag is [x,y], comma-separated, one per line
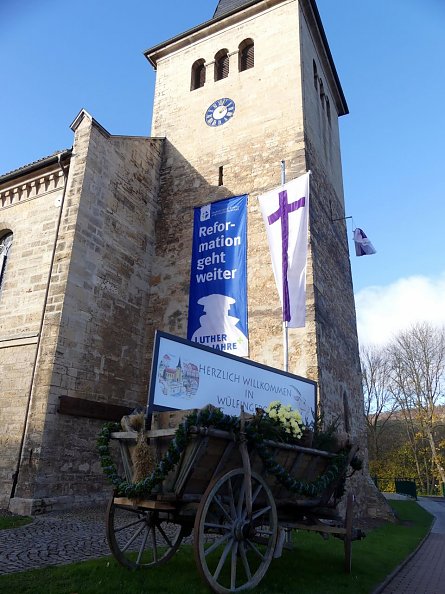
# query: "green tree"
[417,382]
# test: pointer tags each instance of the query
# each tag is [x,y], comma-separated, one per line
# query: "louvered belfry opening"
[314,68]
[246,55]
[5,245]
[198,75]
[222,64]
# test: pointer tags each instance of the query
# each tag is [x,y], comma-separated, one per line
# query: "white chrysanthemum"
[290,420]
[274,404]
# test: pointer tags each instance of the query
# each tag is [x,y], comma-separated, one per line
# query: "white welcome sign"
[185,375]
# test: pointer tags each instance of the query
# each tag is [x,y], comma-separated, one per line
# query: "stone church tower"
[115,265]
[272,60]
[288,99]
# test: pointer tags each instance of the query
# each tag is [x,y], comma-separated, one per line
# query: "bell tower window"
[198,75]
[5,246]
[221,64]
[314,67]
[246,55]
[322,95]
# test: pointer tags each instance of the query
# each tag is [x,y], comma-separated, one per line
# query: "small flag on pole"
[363,247]
[285,214]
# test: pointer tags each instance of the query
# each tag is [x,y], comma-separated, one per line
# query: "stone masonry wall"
[94,345]
[267,127]
[339,376]
[29,207]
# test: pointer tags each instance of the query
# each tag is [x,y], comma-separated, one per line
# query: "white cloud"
[384,311]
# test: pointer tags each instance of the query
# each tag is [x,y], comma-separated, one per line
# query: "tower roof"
[226,6]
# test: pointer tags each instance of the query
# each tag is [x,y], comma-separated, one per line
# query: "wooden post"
[246,465]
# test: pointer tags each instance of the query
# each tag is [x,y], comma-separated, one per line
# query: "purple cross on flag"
[285,213]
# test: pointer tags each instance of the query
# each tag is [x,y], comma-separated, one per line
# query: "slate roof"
[226,6]
[40,163]
[223,8]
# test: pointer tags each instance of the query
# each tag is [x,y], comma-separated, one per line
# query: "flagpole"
[285,329]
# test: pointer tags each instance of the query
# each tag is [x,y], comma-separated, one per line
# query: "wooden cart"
[240,516]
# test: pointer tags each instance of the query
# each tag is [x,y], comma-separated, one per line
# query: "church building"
[95,245]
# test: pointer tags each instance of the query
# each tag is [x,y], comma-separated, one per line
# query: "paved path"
[54,539]
[425,571]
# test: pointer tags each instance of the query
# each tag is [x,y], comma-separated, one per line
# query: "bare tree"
[410,424]
[379,402]
[417,358]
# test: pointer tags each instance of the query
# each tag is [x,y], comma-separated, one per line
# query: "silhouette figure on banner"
[218,329]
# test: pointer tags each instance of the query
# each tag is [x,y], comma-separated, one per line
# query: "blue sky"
[60,57]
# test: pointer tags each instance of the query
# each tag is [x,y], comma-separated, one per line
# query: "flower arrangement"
[289,420]
[279,422]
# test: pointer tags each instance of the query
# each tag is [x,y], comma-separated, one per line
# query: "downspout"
[15,476]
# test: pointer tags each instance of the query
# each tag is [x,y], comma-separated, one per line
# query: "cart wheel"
[140,537]
[348,535]
[233,552]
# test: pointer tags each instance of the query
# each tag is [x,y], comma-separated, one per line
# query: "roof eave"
[35,166]
[154,53]
[345,109]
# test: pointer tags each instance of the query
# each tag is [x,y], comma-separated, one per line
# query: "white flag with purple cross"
[285,213]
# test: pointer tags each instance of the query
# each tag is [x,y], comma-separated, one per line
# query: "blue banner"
[218,278]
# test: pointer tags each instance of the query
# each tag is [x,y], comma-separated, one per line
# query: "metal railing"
[400,485]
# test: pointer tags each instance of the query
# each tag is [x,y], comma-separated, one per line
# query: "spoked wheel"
[233,551]
[141,537]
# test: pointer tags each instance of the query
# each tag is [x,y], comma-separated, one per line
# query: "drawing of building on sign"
[180,380]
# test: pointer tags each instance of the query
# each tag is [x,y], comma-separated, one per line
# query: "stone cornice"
[18,340]
[32,186]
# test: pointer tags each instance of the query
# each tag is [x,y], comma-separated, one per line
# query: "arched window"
[328,109]
[321,93]
[5,246]
[221,64]
[246,55]
[198,75]
[314,67]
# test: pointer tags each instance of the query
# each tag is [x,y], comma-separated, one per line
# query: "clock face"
[219,112]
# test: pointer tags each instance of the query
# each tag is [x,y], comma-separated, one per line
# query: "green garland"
[298,486]
[204,418]
[256,432]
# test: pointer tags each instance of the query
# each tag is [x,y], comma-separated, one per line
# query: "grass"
[314,566]
[13,521]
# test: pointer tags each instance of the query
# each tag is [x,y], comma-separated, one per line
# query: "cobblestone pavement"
[54,538]
[424,573]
